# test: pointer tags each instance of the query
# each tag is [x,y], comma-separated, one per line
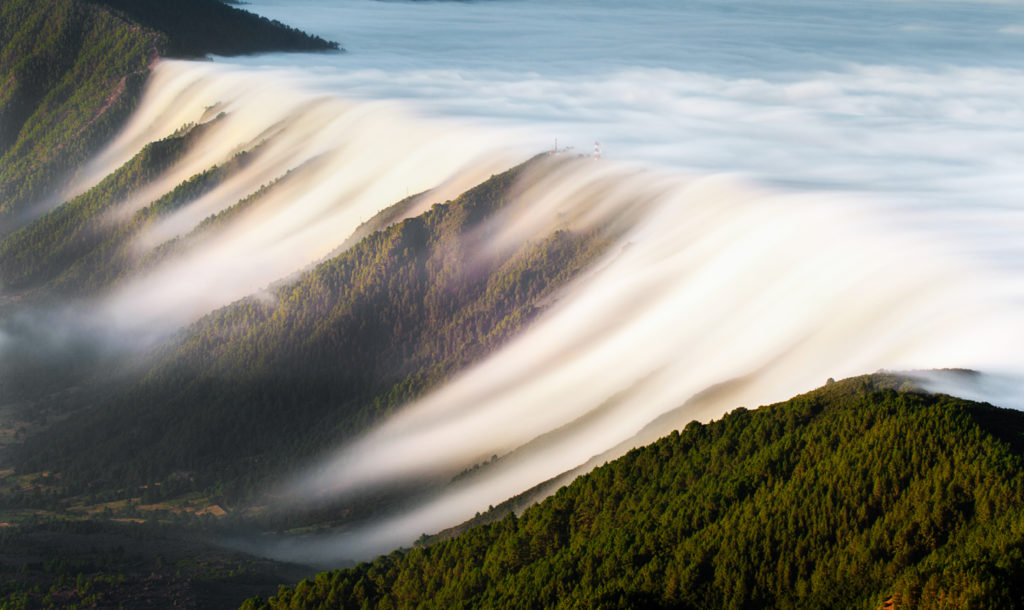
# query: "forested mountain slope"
[842,497]
[71,74]
[72,71]
[197,27]
[278,376]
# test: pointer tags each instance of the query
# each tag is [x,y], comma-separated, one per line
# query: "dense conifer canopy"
[840,498]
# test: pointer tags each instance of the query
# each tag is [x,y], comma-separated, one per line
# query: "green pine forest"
[195,28]
[859,493]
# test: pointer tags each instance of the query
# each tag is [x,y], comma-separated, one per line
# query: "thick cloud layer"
[912,104]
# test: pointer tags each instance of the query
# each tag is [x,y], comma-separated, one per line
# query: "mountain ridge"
[339,347]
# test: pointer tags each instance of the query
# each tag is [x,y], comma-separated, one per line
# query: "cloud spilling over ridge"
[909,137]
[355,159]
[716,283]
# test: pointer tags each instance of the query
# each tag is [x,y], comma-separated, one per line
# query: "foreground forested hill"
[198,27]
[840,498]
